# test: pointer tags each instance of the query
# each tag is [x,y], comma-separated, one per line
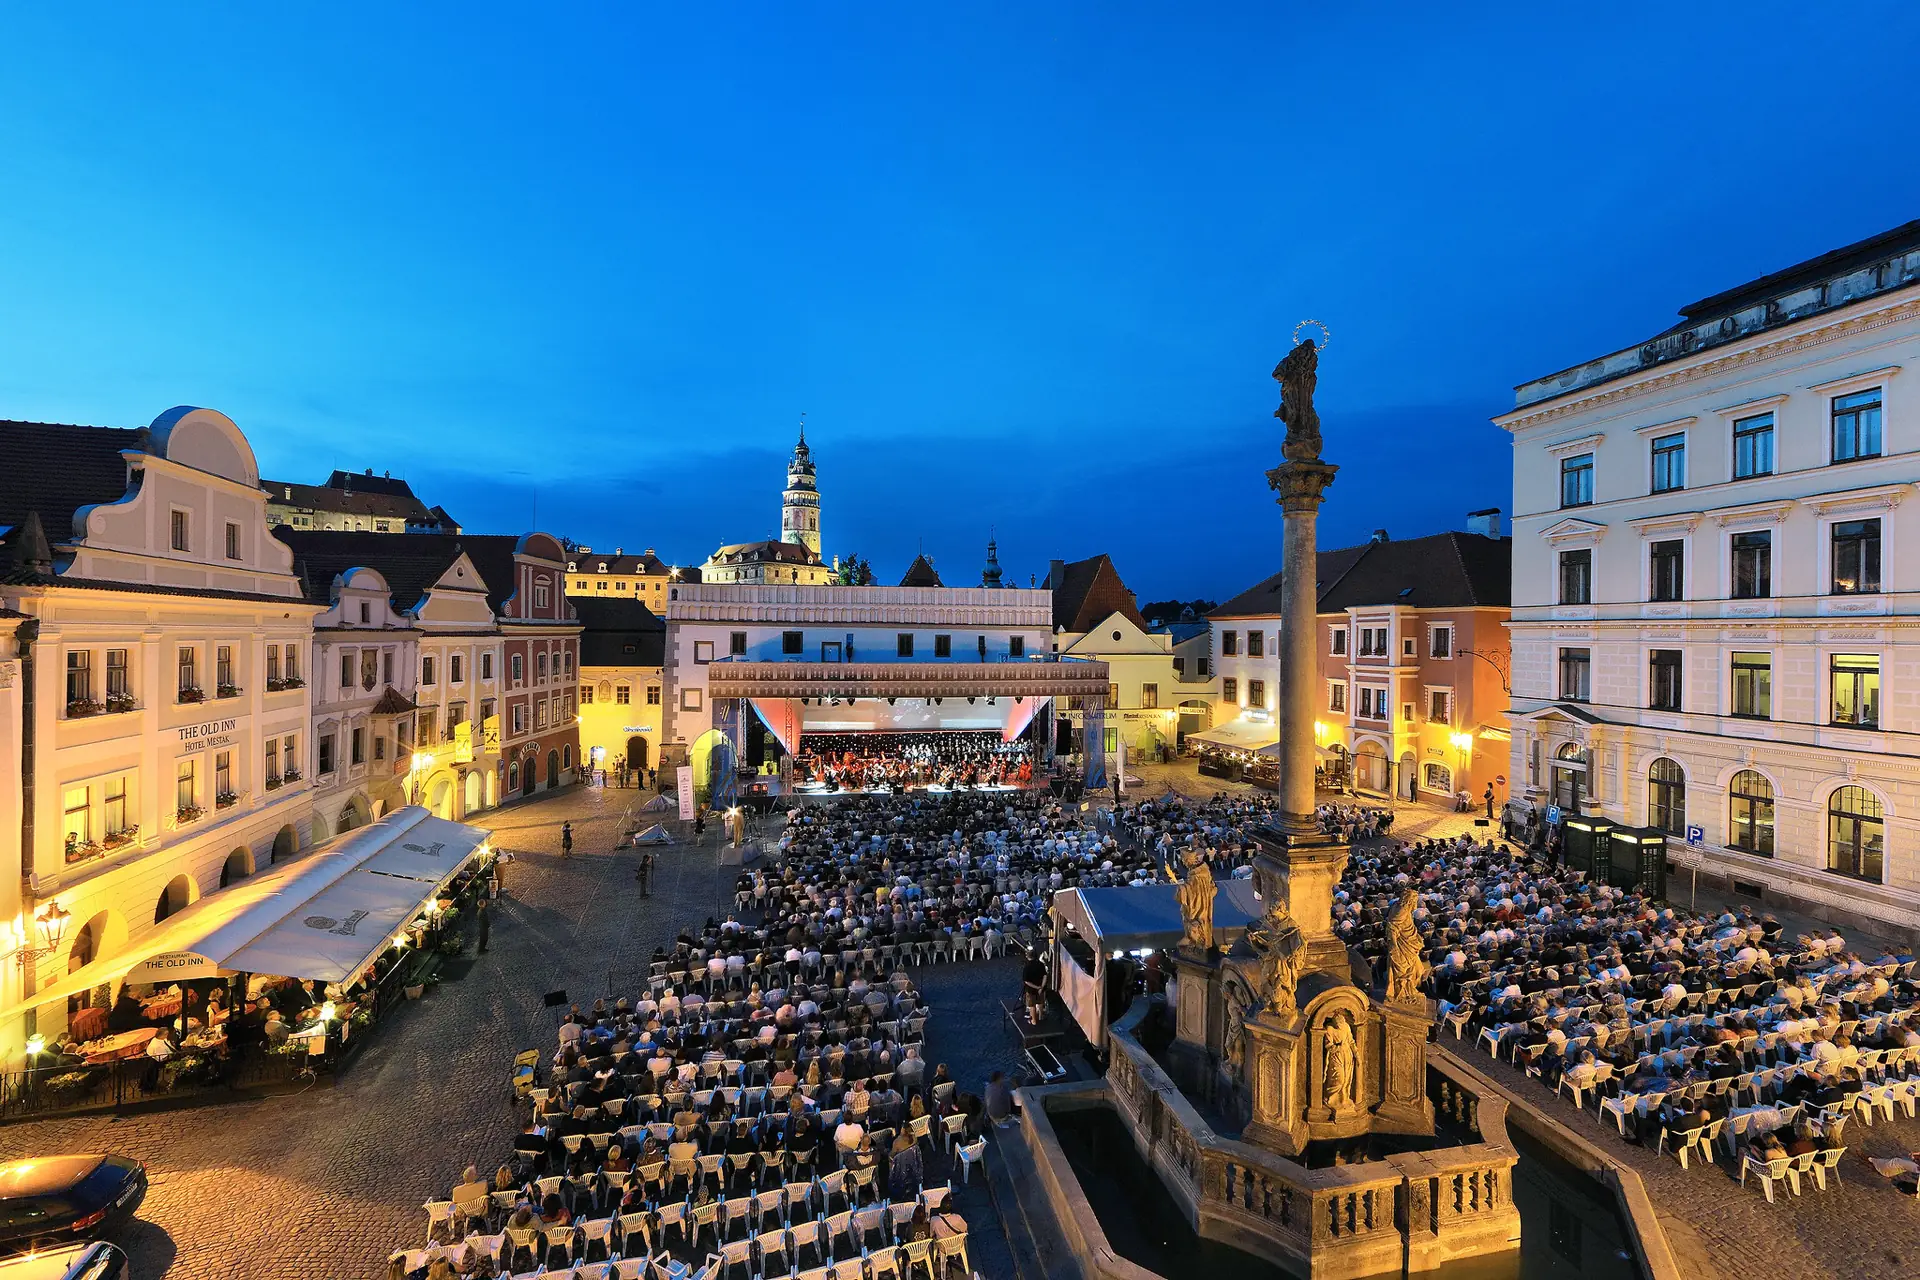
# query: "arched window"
[1667,797]
[1750,814]
[1856,833]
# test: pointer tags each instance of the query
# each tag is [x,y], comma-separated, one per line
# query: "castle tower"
[990,576]
[800,504]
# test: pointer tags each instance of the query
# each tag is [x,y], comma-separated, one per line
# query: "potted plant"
[272,784]
[120,703]
[187,813]
[227,691]
[290,775]
[78,707]
[193,693]
[226,799]
[78,850]
[126,835]
[293,682]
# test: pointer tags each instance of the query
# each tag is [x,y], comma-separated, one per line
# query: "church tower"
[990,576]
[800,504]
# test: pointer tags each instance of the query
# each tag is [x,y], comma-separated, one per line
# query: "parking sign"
[1696,836]
[1553,813]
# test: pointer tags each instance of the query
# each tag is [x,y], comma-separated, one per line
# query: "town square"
[1090,643]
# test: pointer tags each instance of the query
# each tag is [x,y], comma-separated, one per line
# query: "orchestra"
[948,760]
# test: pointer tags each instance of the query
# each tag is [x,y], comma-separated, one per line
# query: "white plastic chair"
[971,1153]
[1768,1171]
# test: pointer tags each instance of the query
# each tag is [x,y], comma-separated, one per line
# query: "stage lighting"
[989,699]
[969,699]
[936,702]
[889,701]
[851,701]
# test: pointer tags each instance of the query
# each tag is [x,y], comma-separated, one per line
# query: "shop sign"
[490,736]
[637,728]
[463,742]
[210,735]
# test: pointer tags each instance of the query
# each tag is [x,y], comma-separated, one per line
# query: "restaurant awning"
[323,916]
[1245,735]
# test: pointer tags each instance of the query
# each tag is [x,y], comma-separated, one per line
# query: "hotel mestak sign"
[208,735]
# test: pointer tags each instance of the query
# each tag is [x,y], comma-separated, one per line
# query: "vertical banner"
[1093,741]
[683,782]
[463,742]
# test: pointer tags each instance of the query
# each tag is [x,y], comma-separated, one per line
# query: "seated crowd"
[901,761]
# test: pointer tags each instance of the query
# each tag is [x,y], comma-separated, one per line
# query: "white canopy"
[1262,736]
[323,916]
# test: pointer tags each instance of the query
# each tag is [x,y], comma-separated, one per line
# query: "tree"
[855,572]
[1165,611]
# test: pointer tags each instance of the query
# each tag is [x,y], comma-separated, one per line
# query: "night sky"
[1024,267]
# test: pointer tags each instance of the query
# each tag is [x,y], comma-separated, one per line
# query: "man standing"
[486,925]
[1489,799]
[646,873]
[566,839]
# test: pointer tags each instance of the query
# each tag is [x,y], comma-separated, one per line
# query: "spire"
[30,550]
[990,576]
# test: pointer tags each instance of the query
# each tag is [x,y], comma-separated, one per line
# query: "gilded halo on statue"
[1326,334]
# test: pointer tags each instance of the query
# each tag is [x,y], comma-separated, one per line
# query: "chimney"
[1380,535]
[369,471]
[650,551]
[1056,573]
[1485,523]
[619,551]
[288,490]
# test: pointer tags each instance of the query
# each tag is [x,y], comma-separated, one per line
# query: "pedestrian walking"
[486,926]
[1489,799]
[646,873]
[699,826]
[566,839]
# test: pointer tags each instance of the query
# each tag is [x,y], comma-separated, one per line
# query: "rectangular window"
[1380,641]
[119,678]
[1856,557]
[737,645]
[1663,690]
[540,668]
[830,651]
[1440,642]
[114,807]
[1752,566]
[1665,570]
[189,671]
[1406,647]
[690,699]
[79,677]
[943,646]
[540,594]
[794,642]
[1856,690]
[233,543]
[346,668]
[289,758]
[77,805]
[380,748]
[486,710]
[653,695]
[273,664]
[1576,481]
[428,722]
[1439,706]
[1016,646]
[518,719]
[223,774]
[1229,689]
[1576,576]
[1256,644]
[456,716]
[456,669]
[1204,664]
[1149,696]
[1670,463]
[1753,685]
[366,612]
[540,714]
[1753,446]
[1856,425]
[324,753]
[386,667]
[623,694]
[293,663]
[586,695]
[903,644]
[427,673]
[1339,640]
[1229,644]
[1576,674]
[180,539]
[486,665]
[1336,697]
[1256,693]
[702,653]
[357,746]
[186,787]
[223,669]
[272,775]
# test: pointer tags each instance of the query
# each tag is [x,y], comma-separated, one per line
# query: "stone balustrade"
[1424,1207]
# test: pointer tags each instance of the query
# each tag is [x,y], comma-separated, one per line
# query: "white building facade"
[365,662]
[162,691]
[1714,629]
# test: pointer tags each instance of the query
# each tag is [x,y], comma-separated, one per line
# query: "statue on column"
[1407,966]
[1277,940]
[1196,902]
[1297,375]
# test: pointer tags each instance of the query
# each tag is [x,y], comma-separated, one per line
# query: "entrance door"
[553,768]
[528,780]
[636,752]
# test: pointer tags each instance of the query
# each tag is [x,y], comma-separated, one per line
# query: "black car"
[47,1201]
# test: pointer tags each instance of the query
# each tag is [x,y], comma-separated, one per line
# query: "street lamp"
[417,770]
[51,924]
[1462,743]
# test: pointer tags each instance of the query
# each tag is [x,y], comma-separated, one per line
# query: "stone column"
[1301,486]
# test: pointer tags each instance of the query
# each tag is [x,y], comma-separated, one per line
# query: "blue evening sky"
[1024,267]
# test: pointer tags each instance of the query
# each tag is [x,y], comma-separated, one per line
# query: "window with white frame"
[1440,642]
[1336,695]
[1339,639]
[1440,706]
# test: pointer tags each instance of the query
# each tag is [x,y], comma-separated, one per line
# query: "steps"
[1040,1251]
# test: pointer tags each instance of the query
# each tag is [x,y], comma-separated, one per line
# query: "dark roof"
[394,703]
[647,563]
[1089,591]
[1182,631]
[56,469]
[921,573]
[410,563]
[1444,570]
[441,518]
[369,483]
[353,502]
[1861,253]
[1262,599]
[766,550]
[610,626]
[27,578]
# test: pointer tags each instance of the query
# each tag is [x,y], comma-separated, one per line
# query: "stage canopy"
[1262,736]
[323,916]
[1134,918]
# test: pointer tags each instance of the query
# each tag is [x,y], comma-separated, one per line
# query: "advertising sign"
[463,742]
[683,781]
[490,736]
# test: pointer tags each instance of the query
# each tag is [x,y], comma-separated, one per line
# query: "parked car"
[49,1201]
[96,1261]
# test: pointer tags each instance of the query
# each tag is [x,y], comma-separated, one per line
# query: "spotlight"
[969,699]
[937,701]
[851,701]
[989,699]
[889,701]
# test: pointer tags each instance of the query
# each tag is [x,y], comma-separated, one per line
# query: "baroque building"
[795,558]
[1714,628]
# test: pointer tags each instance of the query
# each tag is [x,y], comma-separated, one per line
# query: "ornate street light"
[50,922]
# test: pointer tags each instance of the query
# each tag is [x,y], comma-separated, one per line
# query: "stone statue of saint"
[1239,1006]
[1196,902]
[1407,966]
[1277,940]
[1337,1065]
[1297,374]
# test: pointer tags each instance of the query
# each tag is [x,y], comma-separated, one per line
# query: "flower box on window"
[275,686]
[291,775]
[126,835]
[226,799]
[193,694]
[83,707]
[228,691]
[272,784]
[120,703]
[79,850]
[293,682]
[187,813]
